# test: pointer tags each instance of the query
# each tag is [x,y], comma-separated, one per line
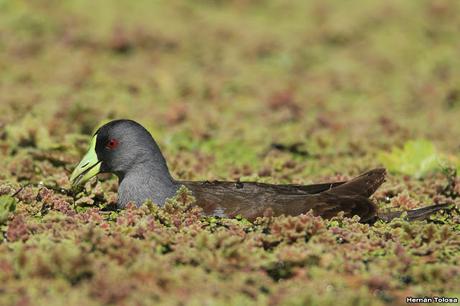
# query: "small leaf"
[417,158]
[7,206]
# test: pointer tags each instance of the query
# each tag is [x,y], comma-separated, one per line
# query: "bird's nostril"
[85,165]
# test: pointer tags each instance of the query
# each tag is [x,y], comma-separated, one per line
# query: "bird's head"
[117,147]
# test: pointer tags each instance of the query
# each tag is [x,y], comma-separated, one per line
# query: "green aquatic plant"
[7,207]
[416,158]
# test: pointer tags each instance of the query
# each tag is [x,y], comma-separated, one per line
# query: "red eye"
[112,144]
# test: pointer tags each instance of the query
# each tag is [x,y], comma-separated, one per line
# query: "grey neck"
[147,181]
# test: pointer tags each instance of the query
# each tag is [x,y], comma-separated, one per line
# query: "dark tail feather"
[352,197]
[364,185]
[414,214]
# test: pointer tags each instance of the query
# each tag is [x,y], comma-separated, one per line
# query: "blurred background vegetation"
[229,78]
[276,91]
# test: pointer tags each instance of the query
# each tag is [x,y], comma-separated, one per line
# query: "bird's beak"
[88,167]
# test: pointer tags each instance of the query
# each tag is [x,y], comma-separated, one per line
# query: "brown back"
[251,200]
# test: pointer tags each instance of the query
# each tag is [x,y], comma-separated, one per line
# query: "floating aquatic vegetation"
[229,94]
[416,158]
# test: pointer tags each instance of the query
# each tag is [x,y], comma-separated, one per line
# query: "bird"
[125,148]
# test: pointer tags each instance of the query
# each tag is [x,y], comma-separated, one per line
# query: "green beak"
[88,167]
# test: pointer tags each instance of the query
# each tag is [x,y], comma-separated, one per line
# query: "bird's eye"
[112,144]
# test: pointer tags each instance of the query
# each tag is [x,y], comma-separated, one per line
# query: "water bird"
[126,149]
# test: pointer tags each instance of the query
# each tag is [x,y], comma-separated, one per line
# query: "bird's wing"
[251,200]
[249,188]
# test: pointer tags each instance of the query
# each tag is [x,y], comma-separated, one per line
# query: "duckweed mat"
[271,91]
